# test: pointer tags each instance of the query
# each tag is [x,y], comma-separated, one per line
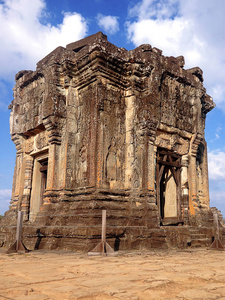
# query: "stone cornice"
[52,127]
[18,141]
[196,140]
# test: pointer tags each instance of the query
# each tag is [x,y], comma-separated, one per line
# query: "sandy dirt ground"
[172,274]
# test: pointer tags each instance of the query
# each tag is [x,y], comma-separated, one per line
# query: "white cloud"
[191,28]
[160,33]
[156,9]
[25,39]
[109,24]
[217,195]
[5,196]
[217,198]
[216,165]
[216,162]
[4,95]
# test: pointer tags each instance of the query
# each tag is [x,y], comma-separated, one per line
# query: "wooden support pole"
[19,229]
[103,248]
[216,245]
[18,246]
[104,226]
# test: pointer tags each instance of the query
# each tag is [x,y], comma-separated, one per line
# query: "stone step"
[199,239]
[198,236]
[205,242]
[194,229]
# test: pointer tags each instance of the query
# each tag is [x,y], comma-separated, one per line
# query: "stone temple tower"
[99,127]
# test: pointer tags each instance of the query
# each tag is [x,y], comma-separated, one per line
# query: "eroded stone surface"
[99,127]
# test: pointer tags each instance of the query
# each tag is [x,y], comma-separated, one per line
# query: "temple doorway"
[168,186]
[39,182]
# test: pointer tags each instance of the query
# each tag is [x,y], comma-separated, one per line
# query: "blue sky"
[193,28]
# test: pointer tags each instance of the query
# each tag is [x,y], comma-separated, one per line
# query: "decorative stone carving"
[109,129]
[40,141]
[172,142]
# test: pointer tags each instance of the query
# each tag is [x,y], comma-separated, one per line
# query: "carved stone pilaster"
[54,140]
[130,99]
[17,178]
[147,137]
[151,130]
[184,174]
[184,188]
[193,202]
[27,186]
[151,152]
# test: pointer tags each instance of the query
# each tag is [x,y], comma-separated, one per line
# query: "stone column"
[129,125]
[29,162]
[193,202]
[69,142]
[99,98]
[100,154]
[54,140]
[206,176]
[143,141]
[184,188]
[184,175]
[152,150]
[18,173]
[93,139]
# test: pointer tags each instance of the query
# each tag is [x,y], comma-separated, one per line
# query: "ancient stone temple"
[99,127]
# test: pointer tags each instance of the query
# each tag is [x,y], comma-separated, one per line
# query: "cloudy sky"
[192,28]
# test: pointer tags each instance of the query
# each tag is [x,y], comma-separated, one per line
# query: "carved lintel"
[173,142]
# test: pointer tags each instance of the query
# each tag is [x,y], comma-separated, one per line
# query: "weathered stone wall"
[95,125]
